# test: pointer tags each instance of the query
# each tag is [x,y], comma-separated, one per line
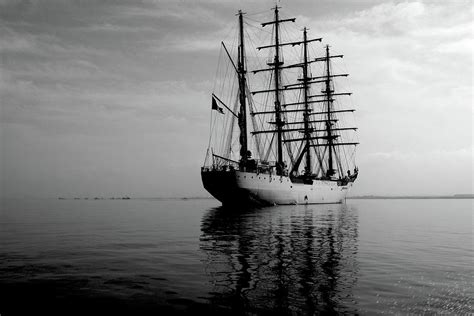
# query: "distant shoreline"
[361,197]
[411,197]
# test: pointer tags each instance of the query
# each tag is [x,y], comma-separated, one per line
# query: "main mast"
[307,131]
[330,171]
[278,121]
[242,98]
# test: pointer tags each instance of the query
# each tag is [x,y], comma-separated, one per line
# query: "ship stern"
[223,186]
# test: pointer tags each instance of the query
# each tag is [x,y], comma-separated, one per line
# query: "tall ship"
[280,132]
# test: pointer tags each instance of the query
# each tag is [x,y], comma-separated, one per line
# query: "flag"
[215,106]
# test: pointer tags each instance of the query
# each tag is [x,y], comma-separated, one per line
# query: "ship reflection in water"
[286,259]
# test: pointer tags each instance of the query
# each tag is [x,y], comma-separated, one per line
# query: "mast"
[279,122]
[242,85]
[307,132]
[330,172]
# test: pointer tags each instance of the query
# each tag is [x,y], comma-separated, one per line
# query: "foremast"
[328,117]
[329,94]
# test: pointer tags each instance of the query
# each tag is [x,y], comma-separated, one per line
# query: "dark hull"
[223,186]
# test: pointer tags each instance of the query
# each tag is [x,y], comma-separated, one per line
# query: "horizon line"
[365,196]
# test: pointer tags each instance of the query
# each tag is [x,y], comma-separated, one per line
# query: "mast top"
[277,20]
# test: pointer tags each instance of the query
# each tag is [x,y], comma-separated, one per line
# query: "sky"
[112,98]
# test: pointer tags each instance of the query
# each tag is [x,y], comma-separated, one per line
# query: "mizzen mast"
[242,117]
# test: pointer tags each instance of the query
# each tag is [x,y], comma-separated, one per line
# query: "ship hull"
[238,187]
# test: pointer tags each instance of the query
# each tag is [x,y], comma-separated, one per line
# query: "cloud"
[457,154]
[411,74]
[95,93]
[40,44]
[409,173]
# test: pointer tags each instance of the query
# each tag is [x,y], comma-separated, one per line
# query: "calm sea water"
[192,256]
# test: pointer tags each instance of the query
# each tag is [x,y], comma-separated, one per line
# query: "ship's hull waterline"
[240,188]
